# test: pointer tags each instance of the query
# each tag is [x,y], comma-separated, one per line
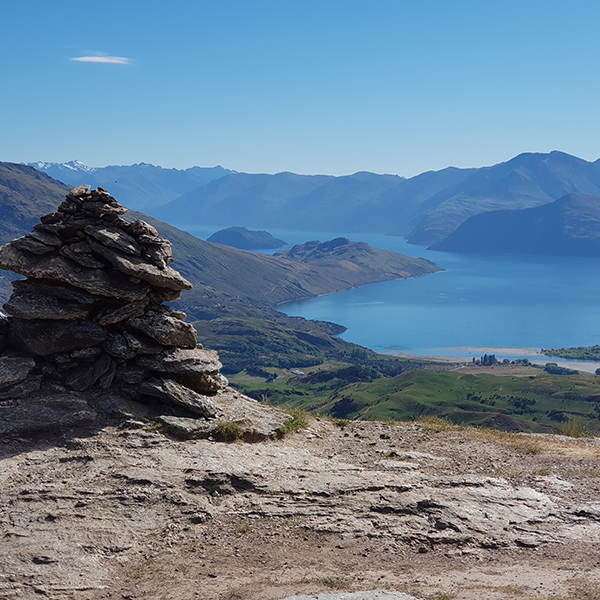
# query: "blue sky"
[328,86]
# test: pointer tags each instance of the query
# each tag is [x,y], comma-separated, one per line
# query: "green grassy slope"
[539,402]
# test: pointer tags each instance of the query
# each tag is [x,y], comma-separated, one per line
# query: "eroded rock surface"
[131,512]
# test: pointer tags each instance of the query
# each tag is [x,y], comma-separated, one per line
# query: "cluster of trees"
[486,360]
[580,352]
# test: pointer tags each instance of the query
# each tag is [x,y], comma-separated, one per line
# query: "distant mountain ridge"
[140,186]
[425,209]
[569,226]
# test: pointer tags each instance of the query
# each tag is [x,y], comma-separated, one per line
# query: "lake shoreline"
[583,365]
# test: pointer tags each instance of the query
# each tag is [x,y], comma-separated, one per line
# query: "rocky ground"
[125,511]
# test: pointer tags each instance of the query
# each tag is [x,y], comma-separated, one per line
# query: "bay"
[490,301]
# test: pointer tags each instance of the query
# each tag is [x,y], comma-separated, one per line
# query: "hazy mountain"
[425,208]
[526,181]
[287,200]
[245,239]
[141,186]
[569,226]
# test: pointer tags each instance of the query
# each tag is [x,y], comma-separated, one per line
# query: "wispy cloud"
[108,60]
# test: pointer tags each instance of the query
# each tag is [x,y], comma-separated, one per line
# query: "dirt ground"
[425,509]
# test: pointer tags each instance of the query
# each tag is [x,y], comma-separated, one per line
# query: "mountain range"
[425,209]
[141,186]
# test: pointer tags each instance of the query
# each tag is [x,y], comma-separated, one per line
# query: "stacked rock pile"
[90,313]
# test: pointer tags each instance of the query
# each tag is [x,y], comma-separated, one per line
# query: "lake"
[492,301]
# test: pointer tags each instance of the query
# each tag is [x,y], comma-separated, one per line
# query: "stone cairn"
[90,313]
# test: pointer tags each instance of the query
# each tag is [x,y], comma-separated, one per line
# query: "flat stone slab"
[42,338]
[166,330]
[42,413]
[39,306]
[181,360]
[113,237]
[140,269]
[175,393]
[186,428]
[14,369]
[57,268]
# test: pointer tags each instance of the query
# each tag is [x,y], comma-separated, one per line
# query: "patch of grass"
[153,427]
[336,583]
[342,423]
[227,432]
[576,427]
[443,596]
[393,454]
[299,421]
[437,425]
[245,528]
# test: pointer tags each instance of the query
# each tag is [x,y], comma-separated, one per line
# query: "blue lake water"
[478,301]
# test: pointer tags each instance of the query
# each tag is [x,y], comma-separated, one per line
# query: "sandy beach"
[531,353]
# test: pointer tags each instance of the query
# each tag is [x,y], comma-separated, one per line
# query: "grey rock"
[85,260]
[102,208]
[106,379]
[86,354]
[79,191]
[179,360]
[138,268]
[57,290]
[174,393]
[14,370]
[114,237]
[116,345]
[51,218]
[163,295]
[139,227]
[42,338]
[132,374]
[203,383]
[4,324]
[117,405]
[29,244]
[142,344]
[22,389]
[166,330]
[126,311]
[58,268]
[40,413]
[45,237]
[160,255]
[186,428]
[86,375]
[25,305]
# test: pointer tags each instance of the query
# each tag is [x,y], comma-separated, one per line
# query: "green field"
[536,402]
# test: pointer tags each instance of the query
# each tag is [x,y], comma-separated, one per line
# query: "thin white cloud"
[109,60]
